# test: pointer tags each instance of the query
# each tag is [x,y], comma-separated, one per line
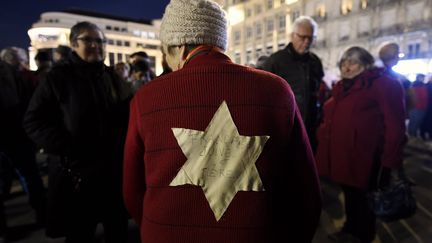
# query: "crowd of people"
[209,151]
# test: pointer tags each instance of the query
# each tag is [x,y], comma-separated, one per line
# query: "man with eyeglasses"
[79,115]
[303,71]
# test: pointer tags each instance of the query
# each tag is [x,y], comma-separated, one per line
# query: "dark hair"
[140,54]
[420,76]
[43,56]
[80,27]
[64,51]
[140,66]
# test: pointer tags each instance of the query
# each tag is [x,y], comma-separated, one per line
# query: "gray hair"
[305,20]
[13,54]
[358,55]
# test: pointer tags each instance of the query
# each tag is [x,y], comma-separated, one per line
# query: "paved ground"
[417,229]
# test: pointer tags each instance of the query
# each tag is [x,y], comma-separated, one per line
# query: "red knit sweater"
[261,104]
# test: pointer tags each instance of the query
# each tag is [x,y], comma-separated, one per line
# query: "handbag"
[63,186]
[394,202]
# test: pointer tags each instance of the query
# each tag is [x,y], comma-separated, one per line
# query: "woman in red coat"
[362,131]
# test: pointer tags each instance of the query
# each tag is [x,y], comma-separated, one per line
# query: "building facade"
[261,27]
[124,35]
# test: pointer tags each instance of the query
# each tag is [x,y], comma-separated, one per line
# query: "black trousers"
[24,161]
[115,229]
[360,219]
[103,204]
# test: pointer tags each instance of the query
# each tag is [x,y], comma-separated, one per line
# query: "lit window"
[321,10]
[346,6]
[414,50]
[237,58]
[249,32]
[270,25]
[281,45]
[269,4]
[248,12]
[152,35]
[237,36]
[258,53]
[248,56]
[294,15]
[363,4]
[282,22]
[111,58]
[258,29]
[236,15]
[269,49]
[258,9]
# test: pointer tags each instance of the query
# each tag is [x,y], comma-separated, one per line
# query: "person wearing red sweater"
[362,133]
[215,151]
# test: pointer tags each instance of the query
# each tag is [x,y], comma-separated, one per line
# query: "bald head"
[389,54]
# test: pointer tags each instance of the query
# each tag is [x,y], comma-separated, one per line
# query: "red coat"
[360,126]
[260,104]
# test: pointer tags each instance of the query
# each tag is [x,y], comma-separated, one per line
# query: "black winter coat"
[304,74]
[80,114]
[15,93]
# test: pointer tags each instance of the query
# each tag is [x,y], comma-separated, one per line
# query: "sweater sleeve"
[133,177]
[391,101]
[44,123]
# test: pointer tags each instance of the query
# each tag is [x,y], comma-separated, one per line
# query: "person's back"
[426,126]
[418,98]
[260,104]
[419,94]
[217,152]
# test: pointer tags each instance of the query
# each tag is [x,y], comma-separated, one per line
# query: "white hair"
[11,54]
[305,20]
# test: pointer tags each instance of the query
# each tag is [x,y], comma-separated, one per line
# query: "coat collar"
[361,81]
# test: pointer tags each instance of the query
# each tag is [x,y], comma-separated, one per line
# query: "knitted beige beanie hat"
[194,22]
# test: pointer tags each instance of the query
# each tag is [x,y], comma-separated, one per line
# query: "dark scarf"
[302,57]
[107,87]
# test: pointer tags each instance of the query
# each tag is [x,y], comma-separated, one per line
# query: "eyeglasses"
[304,37]
[89,40]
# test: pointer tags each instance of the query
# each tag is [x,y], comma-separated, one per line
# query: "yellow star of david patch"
[219,160]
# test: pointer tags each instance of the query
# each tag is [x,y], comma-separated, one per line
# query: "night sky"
[17,16]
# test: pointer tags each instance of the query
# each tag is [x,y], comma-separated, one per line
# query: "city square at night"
[216,121]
